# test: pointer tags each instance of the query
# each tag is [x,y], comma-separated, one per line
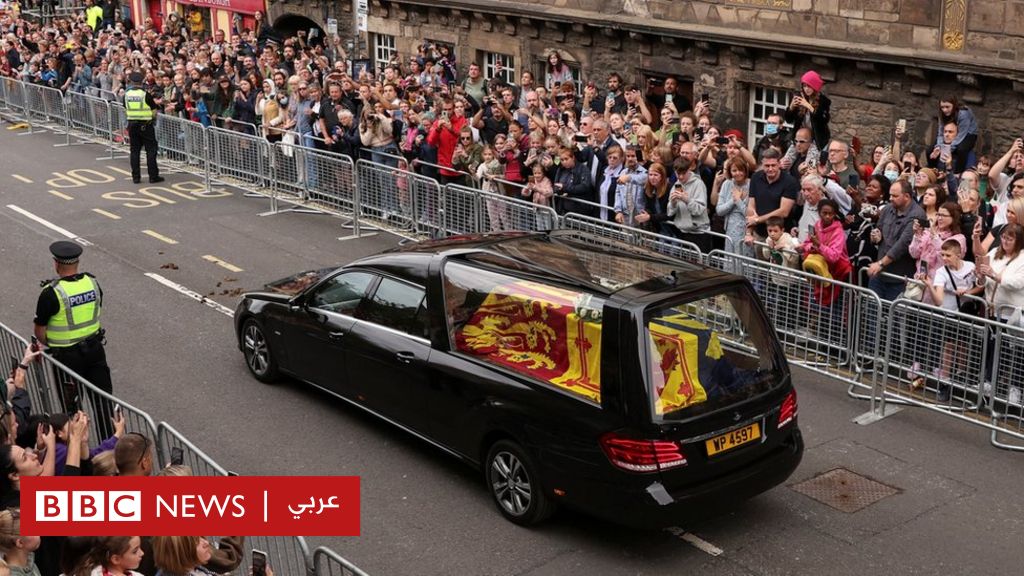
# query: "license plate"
[730,440]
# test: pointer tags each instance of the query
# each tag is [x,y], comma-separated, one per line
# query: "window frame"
[488,66]
[755,125]
[378,49]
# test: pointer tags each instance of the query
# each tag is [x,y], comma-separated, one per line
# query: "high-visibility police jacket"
[135,106]
[93,15]
[78,317]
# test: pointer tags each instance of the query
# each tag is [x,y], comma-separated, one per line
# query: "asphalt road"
[957,509]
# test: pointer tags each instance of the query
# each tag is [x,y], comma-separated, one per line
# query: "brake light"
[788,410]
[642,455]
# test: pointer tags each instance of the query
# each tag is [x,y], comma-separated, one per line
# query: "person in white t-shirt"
[955,279]
[950,286]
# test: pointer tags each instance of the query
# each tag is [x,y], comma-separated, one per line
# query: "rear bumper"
[652,506]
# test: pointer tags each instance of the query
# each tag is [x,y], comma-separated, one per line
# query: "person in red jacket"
[444,135]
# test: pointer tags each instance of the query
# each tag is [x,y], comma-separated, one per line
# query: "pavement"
[954,506]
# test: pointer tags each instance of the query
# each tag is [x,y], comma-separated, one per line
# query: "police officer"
[140,109]
[68,322]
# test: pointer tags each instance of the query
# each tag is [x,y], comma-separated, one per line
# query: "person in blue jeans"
[893,235]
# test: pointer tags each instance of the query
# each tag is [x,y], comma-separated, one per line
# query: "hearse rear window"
[708,354]
[545,332]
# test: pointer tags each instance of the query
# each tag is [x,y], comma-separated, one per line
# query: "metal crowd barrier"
[181,144]
[168,438]
[673,247]
[327,562]
[238,159]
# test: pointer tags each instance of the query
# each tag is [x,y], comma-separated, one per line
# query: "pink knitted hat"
[813,79]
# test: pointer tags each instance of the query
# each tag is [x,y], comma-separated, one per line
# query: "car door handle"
[405,357]
[336,335]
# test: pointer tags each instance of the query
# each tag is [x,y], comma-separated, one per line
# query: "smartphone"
[924,222]
[259,563]
[924,267]
[14,365]
[118,412]
[581,138]
[901,124]
[177,456]
[907,166]
[722,140]
[674,121]
[705,97]
[46,427]
[639,156]
[810,230]
[565,117]
[35,344]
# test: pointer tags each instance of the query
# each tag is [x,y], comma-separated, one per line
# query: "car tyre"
[515,484]
[256,349]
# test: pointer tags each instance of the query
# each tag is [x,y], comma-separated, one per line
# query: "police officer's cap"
[136,78]
[65,252]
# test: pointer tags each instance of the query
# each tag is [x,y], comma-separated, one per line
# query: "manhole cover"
[844,490]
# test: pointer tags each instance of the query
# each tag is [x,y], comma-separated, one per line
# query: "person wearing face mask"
[775,135]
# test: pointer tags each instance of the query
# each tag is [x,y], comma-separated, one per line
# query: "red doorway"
[156,12]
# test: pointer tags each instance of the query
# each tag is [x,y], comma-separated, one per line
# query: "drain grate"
[844,490]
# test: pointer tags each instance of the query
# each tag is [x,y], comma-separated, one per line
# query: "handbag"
[288,141]
[913,290]
[968,306]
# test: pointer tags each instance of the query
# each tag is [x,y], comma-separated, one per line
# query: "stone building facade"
[882,59]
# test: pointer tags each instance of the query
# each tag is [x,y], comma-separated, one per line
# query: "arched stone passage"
[288,24]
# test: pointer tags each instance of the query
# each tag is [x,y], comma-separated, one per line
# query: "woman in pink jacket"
[828,241]
[926,246]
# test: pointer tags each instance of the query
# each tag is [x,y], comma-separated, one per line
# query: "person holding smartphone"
[810,108]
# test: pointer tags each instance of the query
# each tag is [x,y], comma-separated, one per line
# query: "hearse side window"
[397,305]
[708,354]
[545,332]
[342,293]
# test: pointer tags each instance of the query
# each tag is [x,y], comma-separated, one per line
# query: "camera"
[580,138]
[868,211]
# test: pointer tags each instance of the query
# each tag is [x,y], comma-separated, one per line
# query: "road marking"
[63,231]
[695,541]
[121,170]
[159,236]
[192,294]
[222,263]
[61,195]
[110,215]
[22,178]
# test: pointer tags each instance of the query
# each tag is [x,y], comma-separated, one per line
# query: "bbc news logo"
[129,506]
[88,506]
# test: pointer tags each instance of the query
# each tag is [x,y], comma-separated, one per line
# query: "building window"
[383,49]
[500,65]
[763,103]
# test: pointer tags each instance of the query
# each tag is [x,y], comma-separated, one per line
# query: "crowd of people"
[40,444]
[637,154]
